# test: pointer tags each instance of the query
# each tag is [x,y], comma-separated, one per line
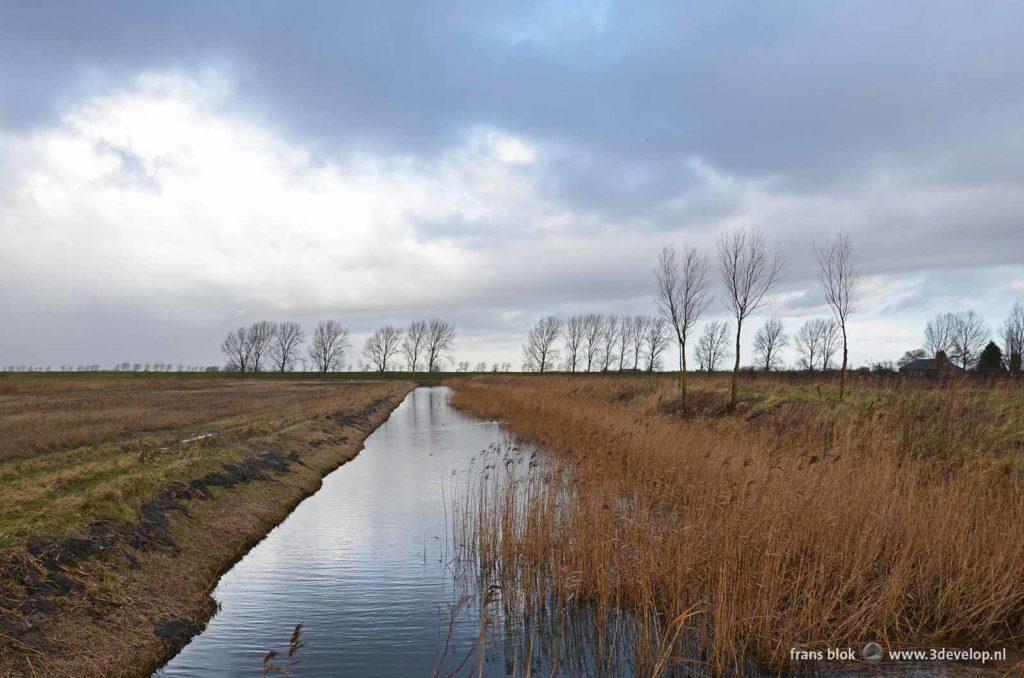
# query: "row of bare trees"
[596,342]
[749,270]
[424,343]
[270,346]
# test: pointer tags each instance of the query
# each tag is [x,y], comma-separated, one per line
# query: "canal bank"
[126,593]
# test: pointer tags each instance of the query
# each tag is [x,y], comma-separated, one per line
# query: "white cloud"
[154,191]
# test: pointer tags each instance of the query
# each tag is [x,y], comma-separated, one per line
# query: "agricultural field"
[736,541]
[126,496]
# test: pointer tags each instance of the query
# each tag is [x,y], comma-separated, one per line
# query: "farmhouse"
[931,367]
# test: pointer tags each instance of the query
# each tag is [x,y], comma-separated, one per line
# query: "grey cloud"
[806,90]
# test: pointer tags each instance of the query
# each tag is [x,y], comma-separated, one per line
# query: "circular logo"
[872,652]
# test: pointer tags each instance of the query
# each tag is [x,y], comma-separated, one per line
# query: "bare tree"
[938,333]
[414,343]
[609,338]
[592,323]
[806,343]
[682,296]
[440,342]
[540,350]
[1013,337]
[970,334]
[817,341]
[573,341]
[769,341]
[260,334]
[657,338]
[382,346]
[284,345]
[641,324]
[330,341]
[235,348]
[626,331]
[749,272]
[712,345]
[829,342]
[837,277]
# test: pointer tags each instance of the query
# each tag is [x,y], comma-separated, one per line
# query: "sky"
[170,171]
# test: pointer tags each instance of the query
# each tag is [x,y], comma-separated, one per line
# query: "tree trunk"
[735,368]
[842,374]
[682,369]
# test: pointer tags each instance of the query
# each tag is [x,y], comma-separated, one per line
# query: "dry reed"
[896,516]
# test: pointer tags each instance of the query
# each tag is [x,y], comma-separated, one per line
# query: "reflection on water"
[363,564]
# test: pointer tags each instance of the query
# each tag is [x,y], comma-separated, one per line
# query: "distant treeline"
[120,367]
[424,345]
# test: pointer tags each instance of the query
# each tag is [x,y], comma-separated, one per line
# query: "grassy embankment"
[896,516]
[118,517]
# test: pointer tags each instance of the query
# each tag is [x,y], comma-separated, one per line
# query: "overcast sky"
[170,170]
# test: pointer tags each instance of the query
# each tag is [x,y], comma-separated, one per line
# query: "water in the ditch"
[362,564]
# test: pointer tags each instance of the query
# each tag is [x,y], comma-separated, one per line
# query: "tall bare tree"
[235,348]
[938,334]
[657,338]
[382,346]
[414,343]
[769,340]
[837,276]
[712,345]
[541,350]
[682,296]
[327,349]
[1013,337]
[285,344]
[749,272]
[260,334]
[440,342]
[970,334]
[609,339]
[641,324]
[573,341]
[592,323]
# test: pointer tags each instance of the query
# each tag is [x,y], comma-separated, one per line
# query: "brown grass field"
[896,516]
[118,517]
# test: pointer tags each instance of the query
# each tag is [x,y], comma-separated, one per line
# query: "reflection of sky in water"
[349,563]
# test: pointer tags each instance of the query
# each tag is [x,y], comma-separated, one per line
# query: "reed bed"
[726,540]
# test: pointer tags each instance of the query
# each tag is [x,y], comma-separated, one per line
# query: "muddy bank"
[123,595]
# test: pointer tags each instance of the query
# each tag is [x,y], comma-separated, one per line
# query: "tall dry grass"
[896,516]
